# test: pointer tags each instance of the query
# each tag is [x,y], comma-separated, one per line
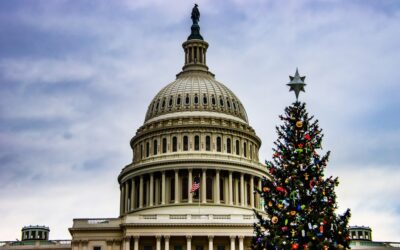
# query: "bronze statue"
[195,14]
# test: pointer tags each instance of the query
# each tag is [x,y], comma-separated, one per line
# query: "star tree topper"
[296,83]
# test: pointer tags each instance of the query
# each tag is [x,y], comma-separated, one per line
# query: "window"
[96,248]
[187,100]
[174,144]
[245,149]
[213,100]
[237,147]
[208,143]
[209,188]
[158,104]
[171,100]
[249,192]
[185,190]
[196,99]
[164,145]
[234,105]
[204,99]
[163,103]
[218,144]
[228,103]
[197,143]
[228,145]
[178,100]
[155,146]
[221,101]
[185,143]
[147,149]
[172,188]
[141,151]
[251,151]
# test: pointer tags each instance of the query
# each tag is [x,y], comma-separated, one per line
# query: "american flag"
[196,184]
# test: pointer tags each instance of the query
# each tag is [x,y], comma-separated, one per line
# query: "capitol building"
[195,131]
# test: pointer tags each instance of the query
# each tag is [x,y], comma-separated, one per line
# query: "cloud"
[76,79]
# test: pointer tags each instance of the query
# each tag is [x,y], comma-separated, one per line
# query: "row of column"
[195,54]
[127,242]
[236,190]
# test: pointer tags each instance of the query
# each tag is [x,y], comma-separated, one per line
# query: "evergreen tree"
[299,201]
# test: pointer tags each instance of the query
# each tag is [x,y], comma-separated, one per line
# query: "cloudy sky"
[76,78]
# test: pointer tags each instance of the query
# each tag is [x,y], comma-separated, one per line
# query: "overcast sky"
[76,78]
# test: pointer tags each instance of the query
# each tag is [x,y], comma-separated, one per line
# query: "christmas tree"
[299,201]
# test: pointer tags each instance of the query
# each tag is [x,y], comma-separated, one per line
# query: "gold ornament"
[274,220]
[299,124]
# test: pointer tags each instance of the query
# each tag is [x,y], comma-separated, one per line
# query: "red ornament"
[281,189]
[295,246]
[307,137]
[312,183]
[301,145]
[276,154]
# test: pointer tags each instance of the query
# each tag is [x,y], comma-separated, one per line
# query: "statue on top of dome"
[195,14]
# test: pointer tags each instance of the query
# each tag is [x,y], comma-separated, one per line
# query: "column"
[127,242]
[259,196]
[133,193]
[136,243]
[158,242]
[84,245]
[190,182]
[163,188]
[233,242]
[242,189]
[203,187]
[176,186]
[217,197]
[236,188]
[121,202]
[210,242]
[126,196]
[230,189]
[151,189]
[166,242]
[188,242]
[241,237]
[141,192]
[109,244]
[251,191]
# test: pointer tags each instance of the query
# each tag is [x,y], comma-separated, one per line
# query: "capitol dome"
[196,91]
[193,172]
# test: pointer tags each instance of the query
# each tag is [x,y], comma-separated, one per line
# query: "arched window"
[249,192]
[171,100]
[185,143]
[237,147]
[178,100]
[155,147]
[213,100]
[221,101]
[174,144]
[141,151]
[163,103]
[185,190]
[251,151]
[209,188]
[187,100]
[234,105]
[158,104]
[196,99]
[164,145]
[218,144]
[228,103]
[228,146]
[208,143]
[147,149]
[245,149]
[197,143]
[204,99]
